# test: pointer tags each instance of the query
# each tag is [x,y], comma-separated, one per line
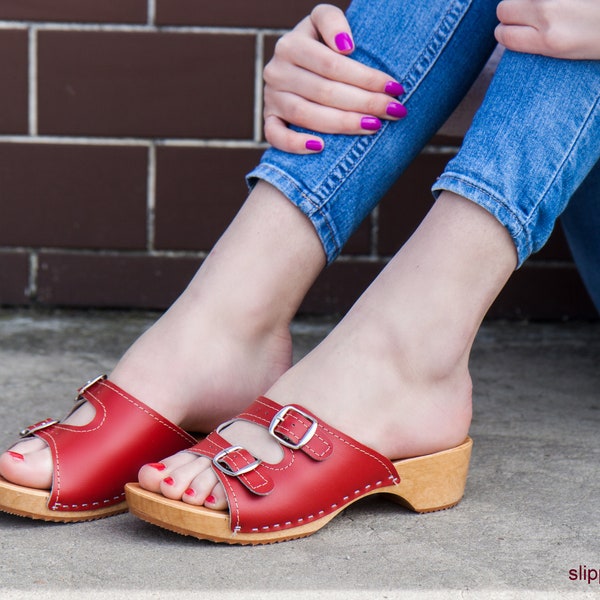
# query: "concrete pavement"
[528,527]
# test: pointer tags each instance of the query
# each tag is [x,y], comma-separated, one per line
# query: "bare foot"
[394,374]
[225,340]
[192,369]
[360,381]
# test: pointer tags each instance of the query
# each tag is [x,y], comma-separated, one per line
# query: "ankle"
[433,385]
[425,349]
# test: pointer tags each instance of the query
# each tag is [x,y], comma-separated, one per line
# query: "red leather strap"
[93,462]
[235,461]
[328,471]
[292,425]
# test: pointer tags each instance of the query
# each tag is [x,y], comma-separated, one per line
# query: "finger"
[333,28]
[327,92]
[517,12]
[315,117]
[317,58]
[279,135]
[520,38]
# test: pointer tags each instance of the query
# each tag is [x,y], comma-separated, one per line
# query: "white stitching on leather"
[307,447]
[156,417]
[300,520]
[56,487]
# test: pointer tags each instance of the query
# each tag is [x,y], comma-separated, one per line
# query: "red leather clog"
[322,472]
[93,462]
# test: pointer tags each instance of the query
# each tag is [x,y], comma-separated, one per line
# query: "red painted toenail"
[169,480]
[16,455]
[157,466]
[189,492]
[210,499]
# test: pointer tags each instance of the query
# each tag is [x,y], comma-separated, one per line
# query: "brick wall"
[125,130]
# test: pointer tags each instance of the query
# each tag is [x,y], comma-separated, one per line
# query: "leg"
[235,328]
[337,188]
[449,43]
[394,374]
[267,248]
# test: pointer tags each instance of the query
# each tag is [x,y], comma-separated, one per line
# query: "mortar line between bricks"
[32,287]
[151,198]
[32,106]
[130,141]
[171,142]
[142,253]
[374,231]
[201,254]
[258,86]
[140,28]
[151,12]
[434,149]
[115,253]
[14,25]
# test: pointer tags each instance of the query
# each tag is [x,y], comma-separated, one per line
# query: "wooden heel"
[435,481]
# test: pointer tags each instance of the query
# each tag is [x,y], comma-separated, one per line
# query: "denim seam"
[515,231]
[338,175]
[415,74]
[566,156]
[347,164]
[434,47]
[518,227]
[316,209]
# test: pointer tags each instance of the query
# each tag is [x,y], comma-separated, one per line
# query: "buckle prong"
[224,467]
[88,385]
[37,427]
[280,416]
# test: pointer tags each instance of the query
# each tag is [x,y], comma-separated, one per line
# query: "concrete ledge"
[528,519]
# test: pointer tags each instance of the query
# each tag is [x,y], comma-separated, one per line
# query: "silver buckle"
[37,427]
[88,385]
[224,468]
[278,418]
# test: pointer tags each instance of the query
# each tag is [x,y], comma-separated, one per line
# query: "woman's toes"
[187,477]
[205,490]
[28,464]
[152,475]
[217,500]
[184,476]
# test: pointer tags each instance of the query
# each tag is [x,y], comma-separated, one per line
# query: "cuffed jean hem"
[526,154]
[324,225]
[497,207]
[448,45]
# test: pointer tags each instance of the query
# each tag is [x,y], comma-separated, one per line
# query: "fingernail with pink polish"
[314,145]
[395,109]
[210,499]
[190,492]
[370,123]
[394,88]
[343,42]
[169,480]
[16,455]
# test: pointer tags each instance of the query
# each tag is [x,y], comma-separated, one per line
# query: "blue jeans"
[533,142]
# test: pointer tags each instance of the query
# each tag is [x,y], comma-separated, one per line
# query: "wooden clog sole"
[32,503]
[427,484]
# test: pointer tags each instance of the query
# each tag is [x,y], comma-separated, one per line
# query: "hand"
[558,28]
[312,83]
